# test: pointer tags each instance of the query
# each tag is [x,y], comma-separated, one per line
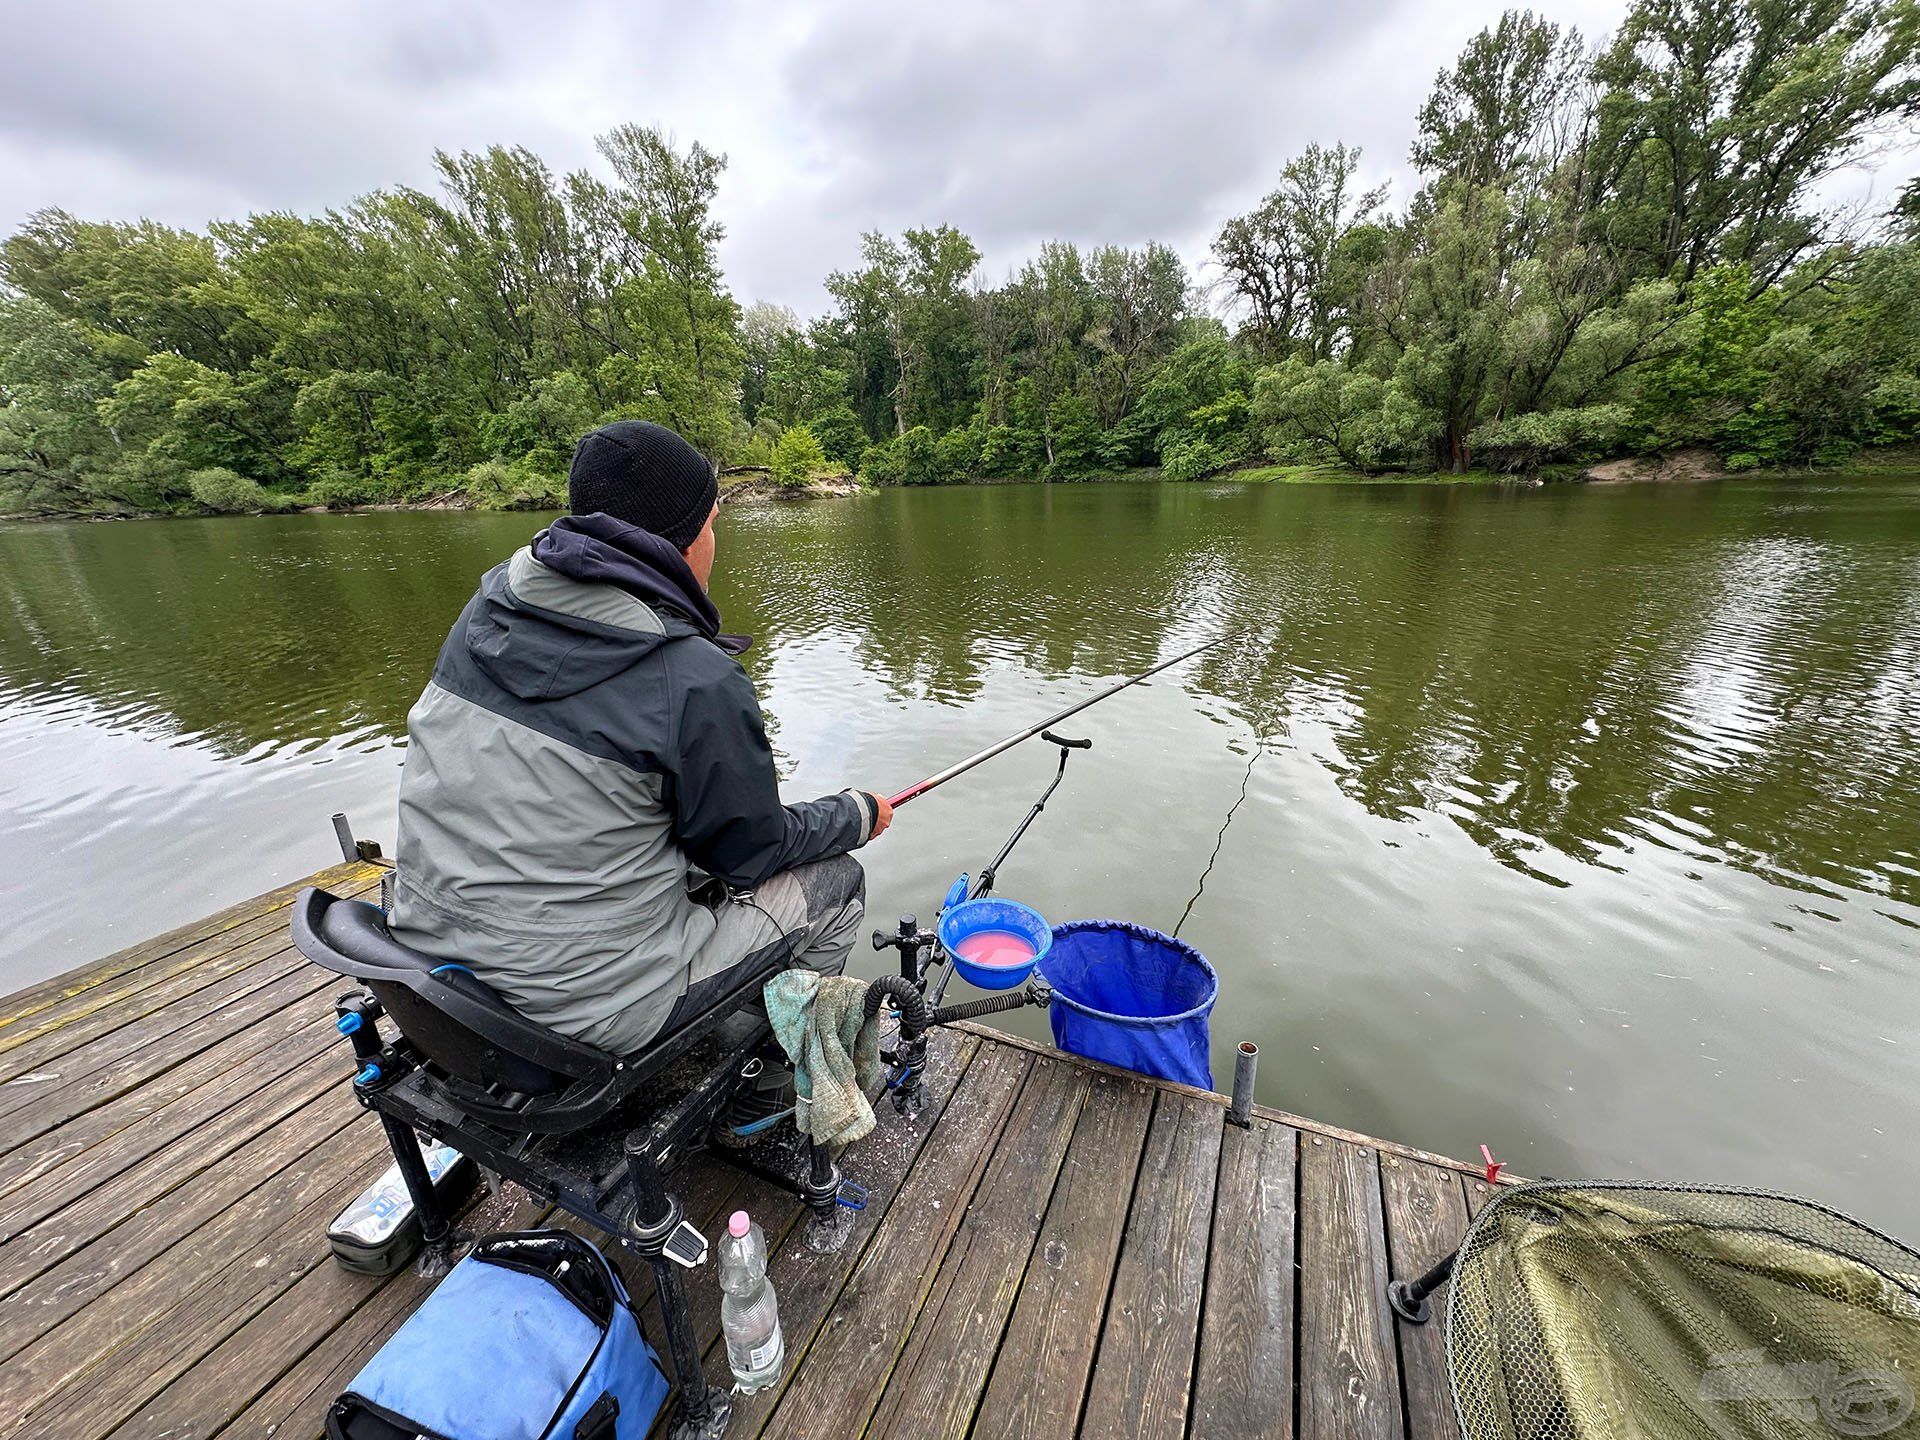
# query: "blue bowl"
[970,917]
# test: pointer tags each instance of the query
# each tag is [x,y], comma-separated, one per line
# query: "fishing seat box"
[530,1337]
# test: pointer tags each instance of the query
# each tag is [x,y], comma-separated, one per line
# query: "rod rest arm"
[914,1015]
[1034,992]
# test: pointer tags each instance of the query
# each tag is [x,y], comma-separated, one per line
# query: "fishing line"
[781,935]
[1220,839]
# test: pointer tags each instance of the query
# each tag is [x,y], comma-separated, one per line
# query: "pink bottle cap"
[737,1226]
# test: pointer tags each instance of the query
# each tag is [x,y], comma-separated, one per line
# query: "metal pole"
[704,1409]
[1408,1298]
[436,1257]
[1246,1059]
[913,792]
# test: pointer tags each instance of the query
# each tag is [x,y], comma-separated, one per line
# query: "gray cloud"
[1018,122]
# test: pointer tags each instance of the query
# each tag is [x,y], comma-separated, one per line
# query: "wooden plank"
[1056,1316]
[181,1137]
[174,1342]
[1143,1370]
[1302,1123]
[833,1382]
[196,1228]
[1478,1194]
[1426,1215]
[71,988]
[774,1209]
[1349,1382]
[38,1247]
[709,1190]
[239,1342]
[295,1403]
[155,1157]
[942,1369]
[782,1218]
[161,1109]
[131,1057]
[807,1282]
[39,1043]
[269,958]
[112,1316]
[1243,1381]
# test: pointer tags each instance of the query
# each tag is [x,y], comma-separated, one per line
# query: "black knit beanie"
[646,475]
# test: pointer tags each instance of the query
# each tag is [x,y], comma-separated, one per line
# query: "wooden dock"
[1055,1248]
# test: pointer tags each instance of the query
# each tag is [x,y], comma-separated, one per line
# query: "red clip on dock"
[1494,1167]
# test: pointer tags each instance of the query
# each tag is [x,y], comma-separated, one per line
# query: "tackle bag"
[379,1232]
[530,1337]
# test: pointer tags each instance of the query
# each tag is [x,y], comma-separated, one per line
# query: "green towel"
[835,1051]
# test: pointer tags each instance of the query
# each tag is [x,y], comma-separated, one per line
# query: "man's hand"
[882,815]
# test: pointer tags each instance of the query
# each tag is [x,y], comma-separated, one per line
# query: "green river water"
[1584,822]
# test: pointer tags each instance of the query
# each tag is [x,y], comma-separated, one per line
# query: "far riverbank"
[753,485]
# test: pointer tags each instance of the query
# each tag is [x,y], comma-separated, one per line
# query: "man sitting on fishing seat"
[589,749]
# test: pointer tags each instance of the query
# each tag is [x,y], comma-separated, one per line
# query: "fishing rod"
[913,792]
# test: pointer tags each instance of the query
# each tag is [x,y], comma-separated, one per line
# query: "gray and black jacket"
[587,738]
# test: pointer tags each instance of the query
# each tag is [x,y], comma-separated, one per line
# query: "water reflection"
[1570,801]
[1728,672]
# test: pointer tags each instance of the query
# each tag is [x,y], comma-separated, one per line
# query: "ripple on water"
[1541,776]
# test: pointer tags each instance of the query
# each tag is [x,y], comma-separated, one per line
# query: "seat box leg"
[436,1231]
[704,1410]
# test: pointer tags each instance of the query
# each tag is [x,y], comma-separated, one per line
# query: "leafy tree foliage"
[1280,259]
[1610,248]
[797,458]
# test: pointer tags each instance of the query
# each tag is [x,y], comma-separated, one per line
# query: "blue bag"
[531,1337]
[1132,997]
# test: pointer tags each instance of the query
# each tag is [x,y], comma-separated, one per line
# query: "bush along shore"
[1615,249]
[221,492]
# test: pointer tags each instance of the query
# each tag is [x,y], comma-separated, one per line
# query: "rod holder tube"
[1409,1298]
[1246,1060]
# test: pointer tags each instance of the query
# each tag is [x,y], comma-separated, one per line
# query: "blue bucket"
[972,917]
[1132,997]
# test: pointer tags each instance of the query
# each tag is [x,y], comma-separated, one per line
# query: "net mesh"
[1641,1312]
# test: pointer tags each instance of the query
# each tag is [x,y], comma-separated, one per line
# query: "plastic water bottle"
[749,1314]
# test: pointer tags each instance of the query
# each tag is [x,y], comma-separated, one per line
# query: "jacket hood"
[600,549]
[587,600]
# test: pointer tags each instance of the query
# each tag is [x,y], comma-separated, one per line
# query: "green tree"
[1138,299]
[838,430]
[685,369]
[1322,410]
[763,327]
[797,457]
[799,382]
[1197,405]
[1050,299]
[1278,260]
[905,316]
[52,381]
[1508,110]
[1719,116]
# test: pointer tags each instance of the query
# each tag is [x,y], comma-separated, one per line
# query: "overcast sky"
[1073,119]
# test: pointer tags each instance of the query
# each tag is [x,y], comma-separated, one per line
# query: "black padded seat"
[465,1030]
